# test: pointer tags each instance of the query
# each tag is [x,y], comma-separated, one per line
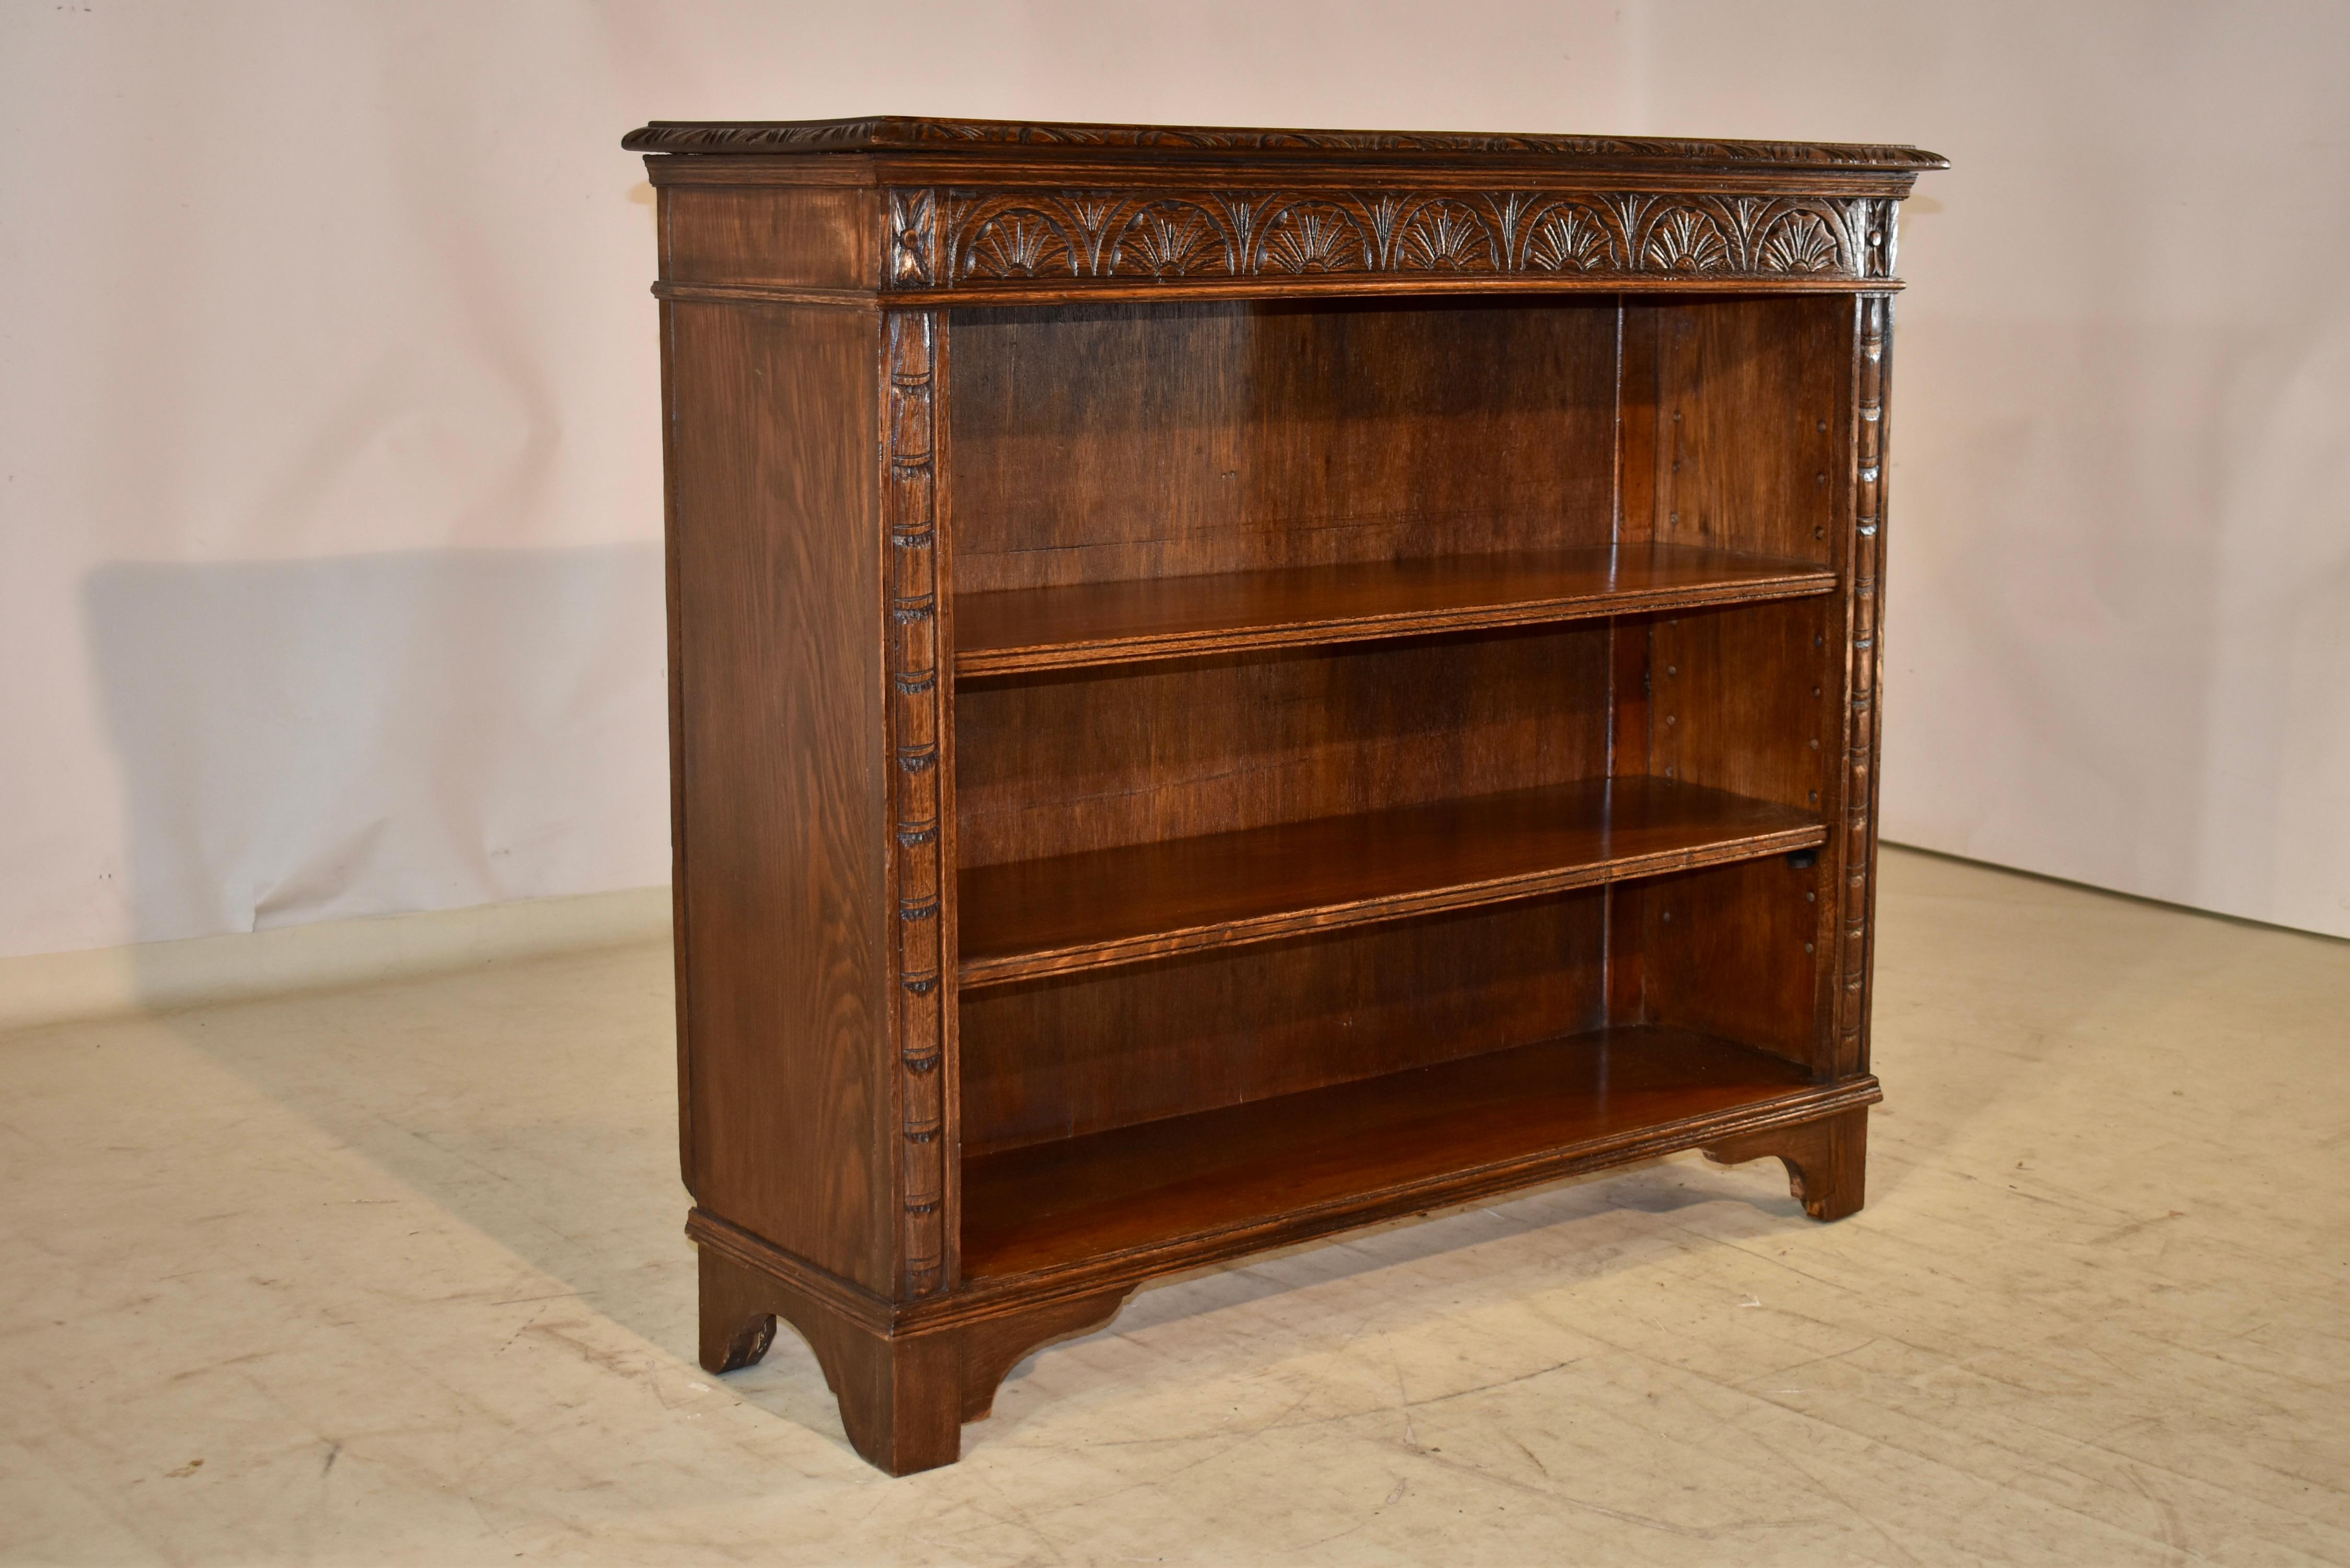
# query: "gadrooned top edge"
[907,134]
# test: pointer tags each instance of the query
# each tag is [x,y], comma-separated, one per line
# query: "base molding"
[908,1375]
[904,1393]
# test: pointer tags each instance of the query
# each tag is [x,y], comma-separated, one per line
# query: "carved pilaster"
[917,791]
[1861,707]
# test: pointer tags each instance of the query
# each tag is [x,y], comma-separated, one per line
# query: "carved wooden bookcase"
[1228,685]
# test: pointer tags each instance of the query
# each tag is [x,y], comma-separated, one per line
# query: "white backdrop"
[329,495]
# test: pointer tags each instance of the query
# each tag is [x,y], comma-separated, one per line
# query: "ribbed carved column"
[1861,707]
[910,499]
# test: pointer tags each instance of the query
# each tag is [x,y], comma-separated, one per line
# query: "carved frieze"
[950,238]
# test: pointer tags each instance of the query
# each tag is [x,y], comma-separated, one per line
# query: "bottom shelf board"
[1426,1137]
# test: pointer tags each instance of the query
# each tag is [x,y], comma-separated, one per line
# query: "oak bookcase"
[1227,685]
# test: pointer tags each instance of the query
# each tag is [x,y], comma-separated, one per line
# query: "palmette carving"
[1000,235]
[910,502]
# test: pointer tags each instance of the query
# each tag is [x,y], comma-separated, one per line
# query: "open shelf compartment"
[1013,629]
[1355,1152]
[1024,920]
[1398,758]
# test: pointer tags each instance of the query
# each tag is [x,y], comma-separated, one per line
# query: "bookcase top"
[899,133]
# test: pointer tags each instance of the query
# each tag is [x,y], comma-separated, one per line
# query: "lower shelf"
[1217,1183]
[1072,912]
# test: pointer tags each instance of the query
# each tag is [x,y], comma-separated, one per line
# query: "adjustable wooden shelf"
[1227,685]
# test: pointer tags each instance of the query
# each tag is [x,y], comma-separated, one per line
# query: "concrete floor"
[394,1276]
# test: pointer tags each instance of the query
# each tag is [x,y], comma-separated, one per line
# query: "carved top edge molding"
[894,133]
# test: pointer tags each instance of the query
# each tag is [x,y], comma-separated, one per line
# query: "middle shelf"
[1025,919]
[1007,630]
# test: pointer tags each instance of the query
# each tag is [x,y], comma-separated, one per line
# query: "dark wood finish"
[780,790]
[905,1383]
[1732,952]
[1232,684]
[1424,1137]
[1825,1159]
[890,133]
[1063,762]
[1111,1047]
[1029,918]
[825,237]
[920,844]
[1257,436]
[1015,631]
[1857,784]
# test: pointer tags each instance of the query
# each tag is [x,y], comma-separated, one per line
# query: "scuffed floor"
[396,1276]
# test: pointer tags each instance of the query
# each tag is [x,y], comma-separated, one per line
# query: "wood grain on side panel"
[792,236]
[784,805]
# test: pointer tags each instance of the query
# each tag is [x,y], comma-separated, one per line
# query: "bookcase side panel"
[783,800]
[789,236]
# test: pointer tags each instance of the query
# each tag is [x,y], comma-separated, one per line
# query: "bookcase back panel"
[1732,952]
[1736,421]
[1059,1058]
[1749,699]
[1107,442]
[1059,764]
